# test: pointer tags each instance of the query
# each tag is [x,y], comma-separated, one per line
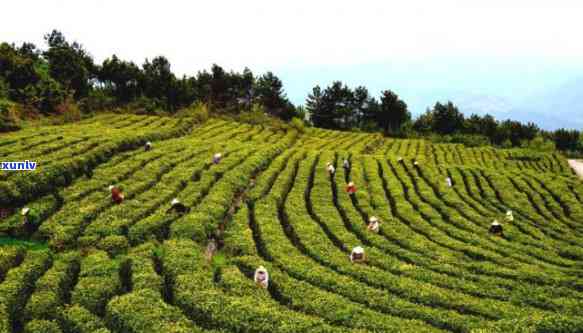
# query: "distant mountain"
[560,107]
[483,104]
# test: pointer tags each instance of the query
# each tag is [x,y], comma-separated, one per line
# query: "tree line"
[49,81]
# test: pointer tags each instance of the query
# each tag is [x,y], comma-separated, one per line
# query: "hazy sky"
[319,40]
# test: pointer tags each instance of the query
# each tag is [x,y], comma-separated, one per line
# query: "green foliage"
[69,110]
[19,282]
[299,125]
[96,101]
[515,132]
[28,186]
[69,64]
[9,120]
[423,124]
[506,144]
[121,78]
[339,107]
[146,105]
[535,324]
[567,140]
[143,273]
[98,282]
[270,94]
[393,113]
[4,87]
[256,116]
[540,144]
[446,118]
[133,313]
[78,319]
[44,326]
[114,245]
[10,256]
[470,140]
[198,111]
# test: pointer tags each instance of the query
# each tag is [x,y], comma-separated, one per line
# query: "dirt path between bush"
[577,165]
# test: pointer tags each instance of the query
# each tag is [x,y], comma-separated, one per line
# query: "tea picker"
[148,146]
[261,277]
[346,164]
[373,224]
[29,216]
[350,188]
[330,168]
[217,158]
[496,229]
[357,255]
[116,194]
[177,207]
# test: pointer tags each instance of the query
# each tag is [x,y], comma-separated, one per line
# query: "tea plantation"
[82,263]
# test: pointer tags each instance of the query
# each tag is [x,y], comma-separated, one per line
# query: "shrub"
[540,144]
[78,319]
[3,89]
[471,140]
[99,281]
[256,116]
[43,305]
[114,245]
[69,110]
[506,144]
[552,323]
[144,311]
[44,326]
[197,111]
[19,283]
[9,120]
[97,100]
[10,257]
[145,105]
[298,125]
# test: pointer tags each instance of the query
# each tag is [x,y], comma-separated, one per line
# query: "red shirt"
[116,195]
[351,189]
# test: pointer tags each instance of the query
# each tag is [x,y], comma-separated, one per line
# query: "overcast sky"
[306,36]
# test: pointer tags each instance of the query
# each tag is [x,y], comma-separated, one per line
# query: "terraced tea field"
[90,265]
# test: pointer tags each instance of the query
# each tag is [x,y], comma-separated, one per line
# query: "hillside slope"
[136,267]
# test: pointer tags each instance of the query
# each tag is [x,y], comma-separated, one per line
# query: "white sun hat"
[495,222]
[111,187]
[358,250]
[175,201]
[25,211]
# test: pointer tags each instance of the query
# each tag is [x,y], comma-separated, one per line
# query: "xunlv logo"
[18,166]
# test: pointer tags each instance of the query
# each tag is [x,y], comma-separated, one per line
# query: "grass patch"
[28,244]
